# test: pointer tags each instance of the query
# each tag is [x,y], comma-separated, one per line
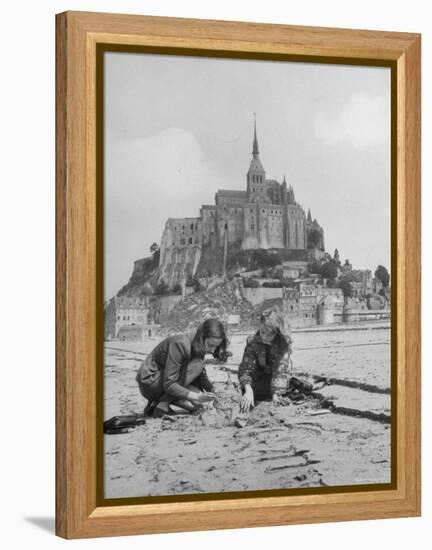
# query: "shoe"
[178,410]
[159,412]
[149,408]
[185,404]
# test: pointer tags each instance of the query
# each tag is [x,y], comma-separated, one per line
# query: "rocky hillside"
[222,300]
[144,277]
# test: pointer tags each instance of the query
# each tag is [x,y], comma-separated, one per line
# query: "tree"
[262,258]
[197,286]
[162,288]
[177,288]
[154,248]
[382,274]
[273,284]
[315,267]
[346,288]
[329,270]
[251,283]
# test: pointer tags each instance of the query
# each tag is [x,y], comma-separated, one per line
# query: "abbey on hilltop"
[265,215]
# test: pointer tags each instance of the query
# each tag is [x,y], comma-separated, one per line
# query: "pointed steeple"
[291,196]
[309,216]
[284,191]
[256,172]
[255,151]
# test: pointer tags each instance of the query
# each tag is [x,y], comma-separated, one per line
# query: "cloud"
[148,180]
[363,122]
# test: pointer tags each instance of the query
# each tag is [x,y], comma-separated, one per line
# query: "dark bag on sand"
[300,385]
[123,424]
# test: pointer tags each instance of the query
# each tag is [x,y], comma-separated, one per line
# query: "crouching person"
[263,371]
[174,373]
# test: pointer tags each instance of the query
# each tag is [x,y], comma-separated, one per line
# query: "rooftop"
[232,193]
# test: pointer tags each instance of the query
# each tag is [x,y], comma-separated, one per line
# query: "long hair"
[273,319]
[211,328]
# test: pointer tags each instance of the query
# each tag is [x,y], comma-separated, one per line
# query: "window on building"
[182,241]
[190,240]
[118,317]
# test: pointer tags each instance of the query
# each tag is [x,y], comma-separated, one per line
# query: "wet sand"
[338,436]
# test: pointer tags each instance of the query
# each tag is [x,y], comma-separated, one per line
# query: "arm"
[247,366]
[245,374]
[203,382]
[176,357]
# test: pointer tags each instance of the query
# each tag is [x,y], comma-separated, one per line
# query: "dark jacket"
[261,360]
[168,360]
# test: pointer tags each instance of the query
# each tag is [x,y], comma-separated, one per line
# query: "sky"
[177,129]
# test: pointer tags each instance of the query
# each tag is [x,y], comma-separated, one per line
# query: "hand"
[247,400]
[200,397]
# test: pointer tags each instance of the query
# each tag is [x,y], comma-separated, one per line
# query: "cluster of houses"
[309,300]
[306,302]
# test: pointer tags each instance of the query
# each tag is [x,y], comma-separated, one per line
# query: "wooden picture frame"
[78,293]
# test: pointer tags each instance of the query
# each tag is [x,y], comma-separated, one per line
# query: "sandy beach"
[340,435]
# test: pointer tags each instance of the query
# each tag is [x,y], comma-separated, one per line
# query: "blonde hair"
[273,319]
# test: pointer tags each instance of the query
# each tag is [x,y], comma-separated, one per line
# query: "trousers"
[262,388]
[153,389]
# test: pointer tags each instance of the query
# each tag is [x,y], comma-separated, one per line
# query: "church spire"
[256,173]
[255,151]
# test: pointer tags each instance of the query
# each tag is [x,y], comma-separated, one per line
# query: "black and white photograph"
[247,275]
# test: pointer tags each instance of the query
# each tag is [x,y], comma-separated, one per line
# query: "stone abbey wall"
[265,215]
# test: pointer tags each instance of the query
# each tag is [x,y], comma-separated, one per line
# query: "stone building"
[264,215]
[308,305]
[125,314]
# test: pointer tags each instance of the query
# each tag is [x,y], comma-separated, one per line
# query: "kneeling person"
[260,372]
[174,373]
